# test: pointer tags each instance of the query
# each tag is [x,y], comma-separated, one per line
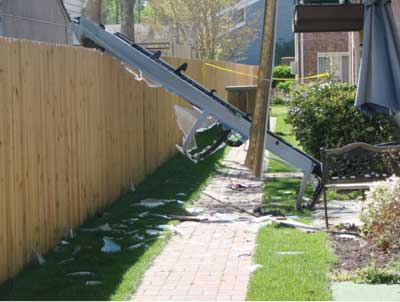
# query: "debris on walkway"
[211,258]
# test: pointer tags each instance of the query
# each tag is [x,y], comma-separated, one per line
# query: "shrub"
[324,115]
[282,72]
[381,213]
[285,86]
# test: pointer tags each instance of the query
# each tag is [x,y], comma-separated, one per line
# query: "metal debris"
[110,246]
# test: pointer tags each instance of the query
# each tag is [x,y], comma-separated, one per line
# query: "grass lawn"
[288,277]
[121,272]
[302,277]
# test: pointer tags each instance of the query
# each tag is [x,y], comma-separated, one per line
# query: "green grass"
[284,130]
[120,273]
[291,277]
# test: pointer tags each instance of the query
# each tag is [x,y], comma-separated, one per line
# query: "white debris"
[289,253]
[110,246]
[40,259]
[92,283]
[194,210]
[255,267]
[174,230]
[80,274]
[76,250]
[180,201]
[151,203]
[347,236]
[154,203]
[159,215]
[181,194]
[69,233]
[136,246]
[131,220]
[120,226]
[105,228]
[141,215]
[152,232]
[138,237]
[64,242]
[132,188]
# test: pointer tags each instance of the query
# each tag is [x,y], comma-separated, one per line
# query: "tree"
[207,25]
[93,10]
[111,11]
[127,18]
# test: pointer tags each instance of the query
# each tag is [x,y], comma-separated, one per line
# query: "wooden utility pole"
[255,154]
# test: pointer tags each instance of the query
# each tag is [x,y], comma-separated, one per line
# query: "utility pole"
[255,154]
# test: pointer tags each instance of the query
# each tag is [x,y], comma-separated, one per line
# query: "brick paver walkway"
[210,261]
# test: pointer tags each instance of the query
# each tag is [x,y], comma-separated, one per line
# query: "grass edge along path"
[295,264]
[119,273]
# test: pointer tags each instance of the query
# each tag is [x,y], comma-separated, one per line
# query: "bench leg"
[326,210]
[302,188]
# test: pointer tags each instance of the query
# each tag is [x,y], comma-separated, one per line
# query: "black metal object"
[358,163]
[327,17]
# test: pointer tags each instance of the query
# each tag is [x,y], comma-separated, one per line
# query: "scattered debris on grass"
[289,253]
[136,246]
[153,232]
[81,274]
[255,267]
[93,283]
[39,258]
[110,246]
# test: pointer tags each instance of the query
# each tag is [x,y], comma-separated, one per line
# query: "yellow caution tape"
[322,75]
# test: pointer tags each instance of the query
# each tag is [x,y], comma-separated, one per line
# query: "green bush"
[324,115]
[285,86]
[281,72]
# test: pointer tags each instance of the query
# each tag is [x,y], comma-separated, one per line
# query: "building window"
[337,63]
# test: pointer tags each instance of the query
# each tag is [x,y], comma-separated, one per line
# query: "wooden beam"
[255,154]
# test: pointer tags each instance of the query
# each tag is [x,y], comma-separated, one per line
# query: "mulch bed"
[358,252]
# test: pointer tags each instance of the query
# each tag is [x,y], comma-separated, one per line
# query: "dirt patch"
[355,253]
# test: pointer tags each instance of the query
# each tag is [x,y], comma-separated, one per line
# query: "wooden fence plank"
[76,130]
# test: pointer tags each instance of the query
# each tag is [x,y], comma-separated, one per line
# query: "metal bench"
[357,167]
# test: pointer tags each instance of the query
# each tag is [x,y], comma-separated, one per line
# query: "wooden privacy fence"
[75,132]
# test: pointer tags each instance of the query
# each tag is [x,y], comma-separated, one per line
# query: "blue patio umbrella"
[379,80]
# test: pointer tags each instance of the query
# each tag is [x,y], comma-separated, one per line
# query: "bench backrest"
[360,163]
